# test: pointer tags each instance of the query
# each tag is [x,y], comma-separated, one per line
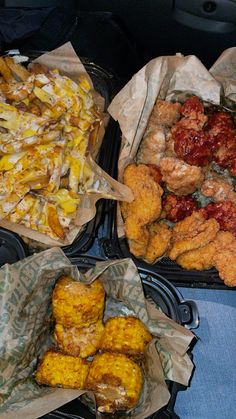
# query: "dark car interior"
[123,35]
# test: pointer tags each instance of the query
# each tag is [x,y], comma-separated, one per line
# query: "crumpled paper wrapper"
[26,329]
[170,78]
[68,63]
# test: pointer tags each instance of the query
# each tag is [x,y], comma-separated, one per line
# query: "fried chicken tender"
[199,259]
[225,257]
[82,342]
[219,253]
[153,145]
[159,241]
[144,209]
[219,189]
[126,335]
[192,233]
[116,380]
[58,370]
[76,304]
[180,177]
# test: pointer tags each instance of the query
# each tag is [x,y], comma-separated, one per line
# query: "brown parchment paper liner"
[68,63]
[170,78]
[26,328]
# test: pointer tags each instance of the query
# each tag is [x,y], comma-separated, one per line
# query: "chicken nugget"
[58,370]
[76,304]
[159,241]
[82,342]
[225,257]
[116,381]
[126,335]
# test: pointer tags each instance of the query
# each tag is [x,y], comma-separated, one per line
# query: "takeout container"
[171,302]
[34,279]
[165,77]
[106,85]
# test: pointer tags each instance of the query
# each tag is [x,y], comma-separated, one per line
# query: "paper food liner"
[26,329]
[68,63]
[167,78]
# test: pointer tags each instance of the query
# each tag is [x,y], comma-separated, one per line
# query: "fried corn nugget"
[159,241]
[116,381]
[58,370]
[192,233]
[76,304]
[82,342]
[126,335]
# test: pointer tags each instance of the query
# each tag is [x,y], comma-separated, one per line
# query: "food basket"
[107,86]
[170,301]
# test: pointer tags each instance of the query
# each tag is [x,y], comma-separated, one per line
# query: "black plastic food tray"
[171,302]
[108,245]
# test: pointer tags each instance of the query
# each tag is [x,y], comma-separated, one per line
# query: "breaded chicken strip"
[116,380]
[219,253]
[181,178]
[191,233]
[76,304]
[82,342]
[126,335]
[225,258]
[58,370]
[159,241]
[199,259]
[144,209]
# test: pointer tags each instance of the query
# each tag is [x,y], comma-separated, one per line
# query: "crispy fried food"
[219,253]
[165,113]
[225,258]
[180,177]
[18,71]
[82,342]
[159,241]
[176,208]
[153,145]
[76,304]
[199,259]
[126,335]
[116,380]
[59,370]
[48,123]
[191,233]
[219,189]
[144,209]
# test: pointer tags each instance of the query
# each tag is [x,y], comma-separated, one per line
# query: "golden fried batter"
[219,189]
[58,370]
[191,233]
[165,113]
[159,241]
[180,177]
[199,259]
[116,381]
[76,304]
[126,335]
[225,257]
[79,342]
[144,209]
